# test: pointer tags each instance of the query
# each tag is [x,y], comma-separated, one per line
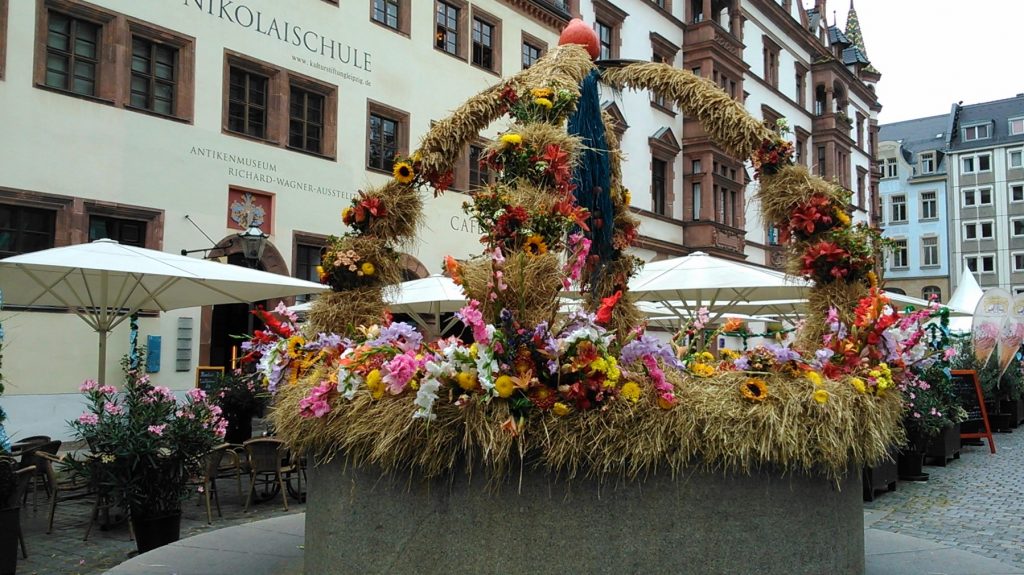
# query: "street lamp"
[253,242]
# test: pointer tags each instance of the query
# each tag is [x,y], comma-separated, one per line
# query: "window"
[479,175]
[977,197]
[981,263]
[248,94]
[154,80]
[773,235]
[306,120]
[1017,192]
[386,12]
[1017,226]
[898,212]
[929,205]
[485,43]
[976,163]
[383,142]
[1016,126]
[770,55]
[447,36]
[1018,262]
[659,171]
[979,230]
[927,162]
[929,251]
[979,132]
[821,161]
[696,198]
[801,85]
[899,254]
[308,255]
[24,230]
[1014,158]
[604,38]
[72,54]
[127,232]
[929,293]
[531,54]
[279,107]
[891,168]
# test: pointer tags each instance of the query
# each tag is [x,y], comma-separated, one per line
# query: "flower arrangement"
[364,209]
[345,265]
[513,228]
[541,104]
[771,156]
[144,443]
[848,255]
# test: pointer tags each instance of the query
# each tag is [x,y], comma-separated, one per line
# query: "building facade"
[172,125]
[986,200]
[912,163]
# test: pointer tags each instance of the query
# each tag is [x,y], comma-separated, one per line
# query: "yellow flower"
[599,364]
[542,92]
[873,279]
[666,403]
[535,246]
[472,350]
[367,269]
[858,384]
[842,216]
[403,172]
[346,214]
[504,386]
[467,380]
[295,344]
[511,139]
[701,369]
[631,391]
[627,197]
[705,357]
[543,102]
[107,458]
[613,372]
[560,409]
[728,354]
[821,396]
[754,389]
[814,377]
[375,384]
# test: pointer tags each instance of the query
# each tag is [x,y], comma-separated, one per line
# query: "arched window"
[931,292]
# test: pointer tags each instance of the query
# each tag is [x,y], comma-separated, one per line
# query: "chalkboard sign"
[968,390]
[207,376]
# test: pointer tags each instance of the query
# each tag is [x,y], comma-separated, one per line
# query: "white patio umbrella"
[966,297]
[105,282]
[698,280]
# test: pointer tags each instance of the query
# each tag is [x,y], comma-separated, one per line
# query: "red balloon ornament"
[578,32]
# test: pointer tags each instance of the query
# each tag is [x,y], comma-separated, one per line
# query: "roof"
[997,114]
[854,55]
[854,34]
[837,36]
[918,135]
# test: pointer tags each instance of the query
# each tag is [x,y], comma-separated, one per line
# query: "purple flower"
[646,345]
[401,334]
[821,357]
[742,363]
[782,353]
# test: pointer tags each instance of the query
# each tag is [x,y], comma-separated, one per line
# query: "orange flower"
[733,325]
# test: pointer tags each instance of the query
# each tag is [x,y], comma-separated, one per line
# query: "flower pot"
[945,446]
[881,477]
[911,460]
[153,532]
[764,522]
[10,519]
[239,428]
[1015,409]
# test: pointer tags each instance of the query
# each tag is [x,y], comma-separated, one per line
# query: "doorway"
[230,325]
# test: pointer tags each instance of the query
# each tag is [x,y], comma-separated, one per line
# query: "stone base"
[358,522]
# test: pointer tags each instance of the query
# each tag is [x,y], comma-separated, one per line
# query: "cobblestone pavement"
[975,504]
[63,551]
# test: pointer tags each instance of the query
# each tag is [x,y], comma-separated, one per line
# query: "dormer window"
[979,132]
[927,162]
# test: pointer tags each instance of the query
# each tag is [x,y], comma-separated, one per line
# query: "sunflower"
[754,389]
[367,268]
[295,344]
[403,172]
[821,396]
[535,246]
[701,369]
[542,92]
[543,102]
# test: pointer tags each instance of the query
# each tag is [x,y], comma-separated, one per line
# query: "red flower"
[604,313]
[558,166]
[509,95]
[440,182]
[374,206]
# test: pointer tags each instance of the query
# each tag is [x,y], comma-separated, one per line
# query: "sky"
[933,53]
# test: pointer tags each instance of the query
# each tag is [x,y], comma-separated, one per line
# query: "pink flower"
[949,354]
[196,394]
[162,392]
[400,371]
[108,390]
[157,430]
[88,385]
[474,318]
[88,419]
[112,408]
[316,403]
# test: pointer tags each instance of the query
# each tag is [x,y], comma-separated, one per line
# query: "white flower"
[425,397]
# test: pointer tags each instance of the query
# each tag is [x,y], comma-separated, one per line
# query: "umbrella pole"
[103,356]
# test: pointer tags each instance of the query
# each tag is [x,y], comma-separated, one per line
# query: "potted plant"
[9,516]
[145,445]
[240,396]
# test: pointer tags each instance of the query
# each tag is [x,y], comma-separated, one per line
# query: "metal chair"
[265,457]
[32,457]
[69,489]
[213,469]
